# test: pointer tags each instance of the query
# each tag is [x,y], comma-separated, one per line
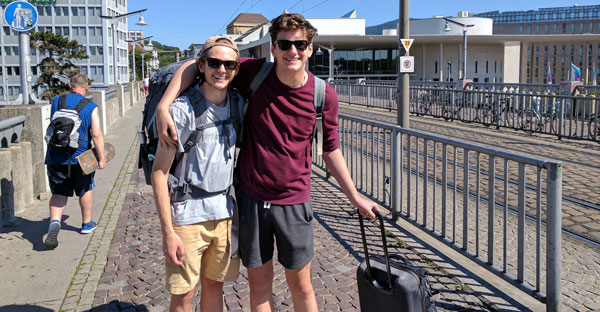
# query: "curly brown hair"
[291,21]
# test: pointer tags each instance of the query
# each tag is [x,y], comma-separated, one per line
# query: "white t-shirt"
[146,81]
[208,167]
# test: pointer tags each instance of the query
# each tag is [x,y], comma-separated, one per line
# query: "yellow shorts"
[207,251]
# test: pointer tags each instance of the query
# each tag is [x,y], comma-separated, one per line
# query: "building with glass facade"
[78,20]
[544,45]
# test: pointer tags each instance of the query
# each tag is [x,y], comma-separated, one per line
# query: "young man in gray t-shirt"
[196,223]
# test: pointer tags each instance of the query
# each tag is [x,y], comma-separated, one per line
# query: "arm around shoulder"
[182,79]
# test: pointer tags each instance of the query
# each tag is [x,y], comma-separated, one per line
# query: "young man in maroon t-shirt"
[275,161]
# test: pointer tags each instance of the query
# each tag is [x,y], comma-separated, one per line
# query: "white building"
[78,20]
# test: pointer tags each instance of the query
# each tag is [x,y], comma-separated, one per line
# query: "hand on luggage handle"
[385,250]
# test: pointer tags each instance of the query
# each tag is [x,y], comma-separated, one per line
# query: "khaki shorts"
[208,251]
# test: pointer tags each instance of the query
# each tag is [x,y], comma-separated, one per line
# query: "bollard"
[7,188]
[553,239]
[16,152]
[27,175]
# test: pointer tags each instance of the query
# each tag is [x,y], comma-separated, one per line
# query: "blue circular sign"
[21,15]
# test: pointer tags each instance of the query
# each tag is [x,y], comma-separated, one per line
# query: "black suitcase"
[388,285]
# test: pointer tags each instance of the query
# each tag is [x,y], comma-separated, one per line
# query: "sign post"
[22,17]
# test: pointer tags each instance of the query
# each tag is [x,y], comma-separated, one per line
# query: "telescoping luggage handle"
[385,250]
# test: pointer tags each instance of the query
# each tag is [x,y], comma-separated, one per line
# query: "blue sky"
[179,23]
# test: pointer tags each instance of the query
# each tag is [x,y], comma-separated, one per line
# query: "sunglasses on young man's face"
[300,45]
[216,63]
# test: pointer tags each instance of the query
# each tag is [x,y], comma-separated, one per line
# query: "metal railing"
[10,130]
[561,115]
[110,93]
[473,198]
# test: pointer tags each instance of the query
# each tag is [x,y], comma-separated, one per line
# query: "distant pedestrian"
[195,204]
[146,83]
[64,145]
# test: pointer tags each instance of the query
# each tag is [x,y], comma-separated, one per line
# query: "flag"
[594,75]
[575,73]
[549,75]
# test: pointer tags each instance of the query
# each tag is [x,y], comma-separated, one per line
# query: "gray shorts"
[287,225]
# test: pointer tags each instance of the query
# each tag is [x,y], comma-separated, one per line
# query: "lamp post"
[133,44]
[143,61]
[465,27]
[403,78]
[330,51]
[113,20]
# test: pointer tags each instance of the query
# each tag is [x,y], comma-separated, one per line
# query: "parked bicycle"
[545,118]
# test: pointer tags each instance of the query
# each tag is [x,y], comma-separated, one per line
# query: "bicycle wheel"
[594,129]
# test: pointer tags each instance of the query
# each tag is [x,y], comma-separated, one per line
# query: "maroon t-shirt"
[275,160]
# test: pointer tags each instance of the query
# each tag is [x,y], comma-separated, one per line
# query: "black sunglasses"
[216,63]
[285,45]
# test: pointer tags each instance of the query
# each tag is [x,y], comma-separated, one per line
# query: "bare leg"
[300,284]
[182,303]
[85,202]
[261,287]
[211,298]
[57,206]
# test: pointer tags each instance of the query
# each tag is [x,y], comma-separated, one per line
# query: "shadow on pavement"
[116,305]
[23,308]
[33,231]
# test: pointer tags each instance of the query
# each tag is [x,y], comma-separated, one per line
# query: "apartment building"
[78,20]
[553,38]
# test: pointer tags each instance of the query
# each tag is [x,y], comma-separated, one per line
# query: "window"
[92,11]
[572,28]
[528,29]
[34,70]
[8,51]
[75,31]
[9,71]
[6,31]
[555,28]
[81,11]
[58,31]
[476,67]
[65,31]
[82,31]
[546,28]
[74,11]
[564,28]
[436,69]
[537,28]
[521,29]
[65,11]
[17,70]
[92,31]
[58,11]
[581,28]
[486,67]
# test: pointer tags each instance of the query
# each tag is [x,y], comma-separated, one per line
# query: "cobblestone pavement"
[133,278]
[123,268]
[581,160]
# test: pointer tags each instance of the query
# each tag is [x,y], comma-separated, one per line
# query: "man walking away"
[74,125]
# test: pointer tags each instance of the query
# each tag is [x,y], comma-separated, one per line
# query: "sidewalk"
[36,279]
[120,267]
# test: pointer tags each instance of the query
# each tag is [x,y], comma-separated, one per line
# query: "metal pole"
[330,64]
[133,54]
[24,63]
[403,79]
[114,40]
[464,75]
[553,241]
[143,61]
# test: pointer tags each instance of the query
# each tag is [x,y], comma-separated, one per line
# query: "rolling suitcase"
[388,285]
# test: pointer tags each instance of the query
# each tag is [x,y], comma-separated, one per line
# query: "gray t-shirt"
[208,167]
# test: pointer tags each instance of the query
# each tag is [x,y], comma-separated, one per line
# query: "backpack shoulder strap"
[265,69]
[62,102]
[82,104]
[319,95]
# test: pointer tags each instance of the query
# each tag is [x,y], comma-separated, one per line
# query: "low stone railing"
[23,173]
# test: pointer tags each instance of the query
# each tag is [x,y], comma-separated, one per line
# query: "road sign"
[21,15]
[407,43]
[407,64]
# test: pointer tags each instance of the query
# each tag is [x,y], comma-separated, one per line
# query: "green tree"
[138,64]
[166,59]
[57,68]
